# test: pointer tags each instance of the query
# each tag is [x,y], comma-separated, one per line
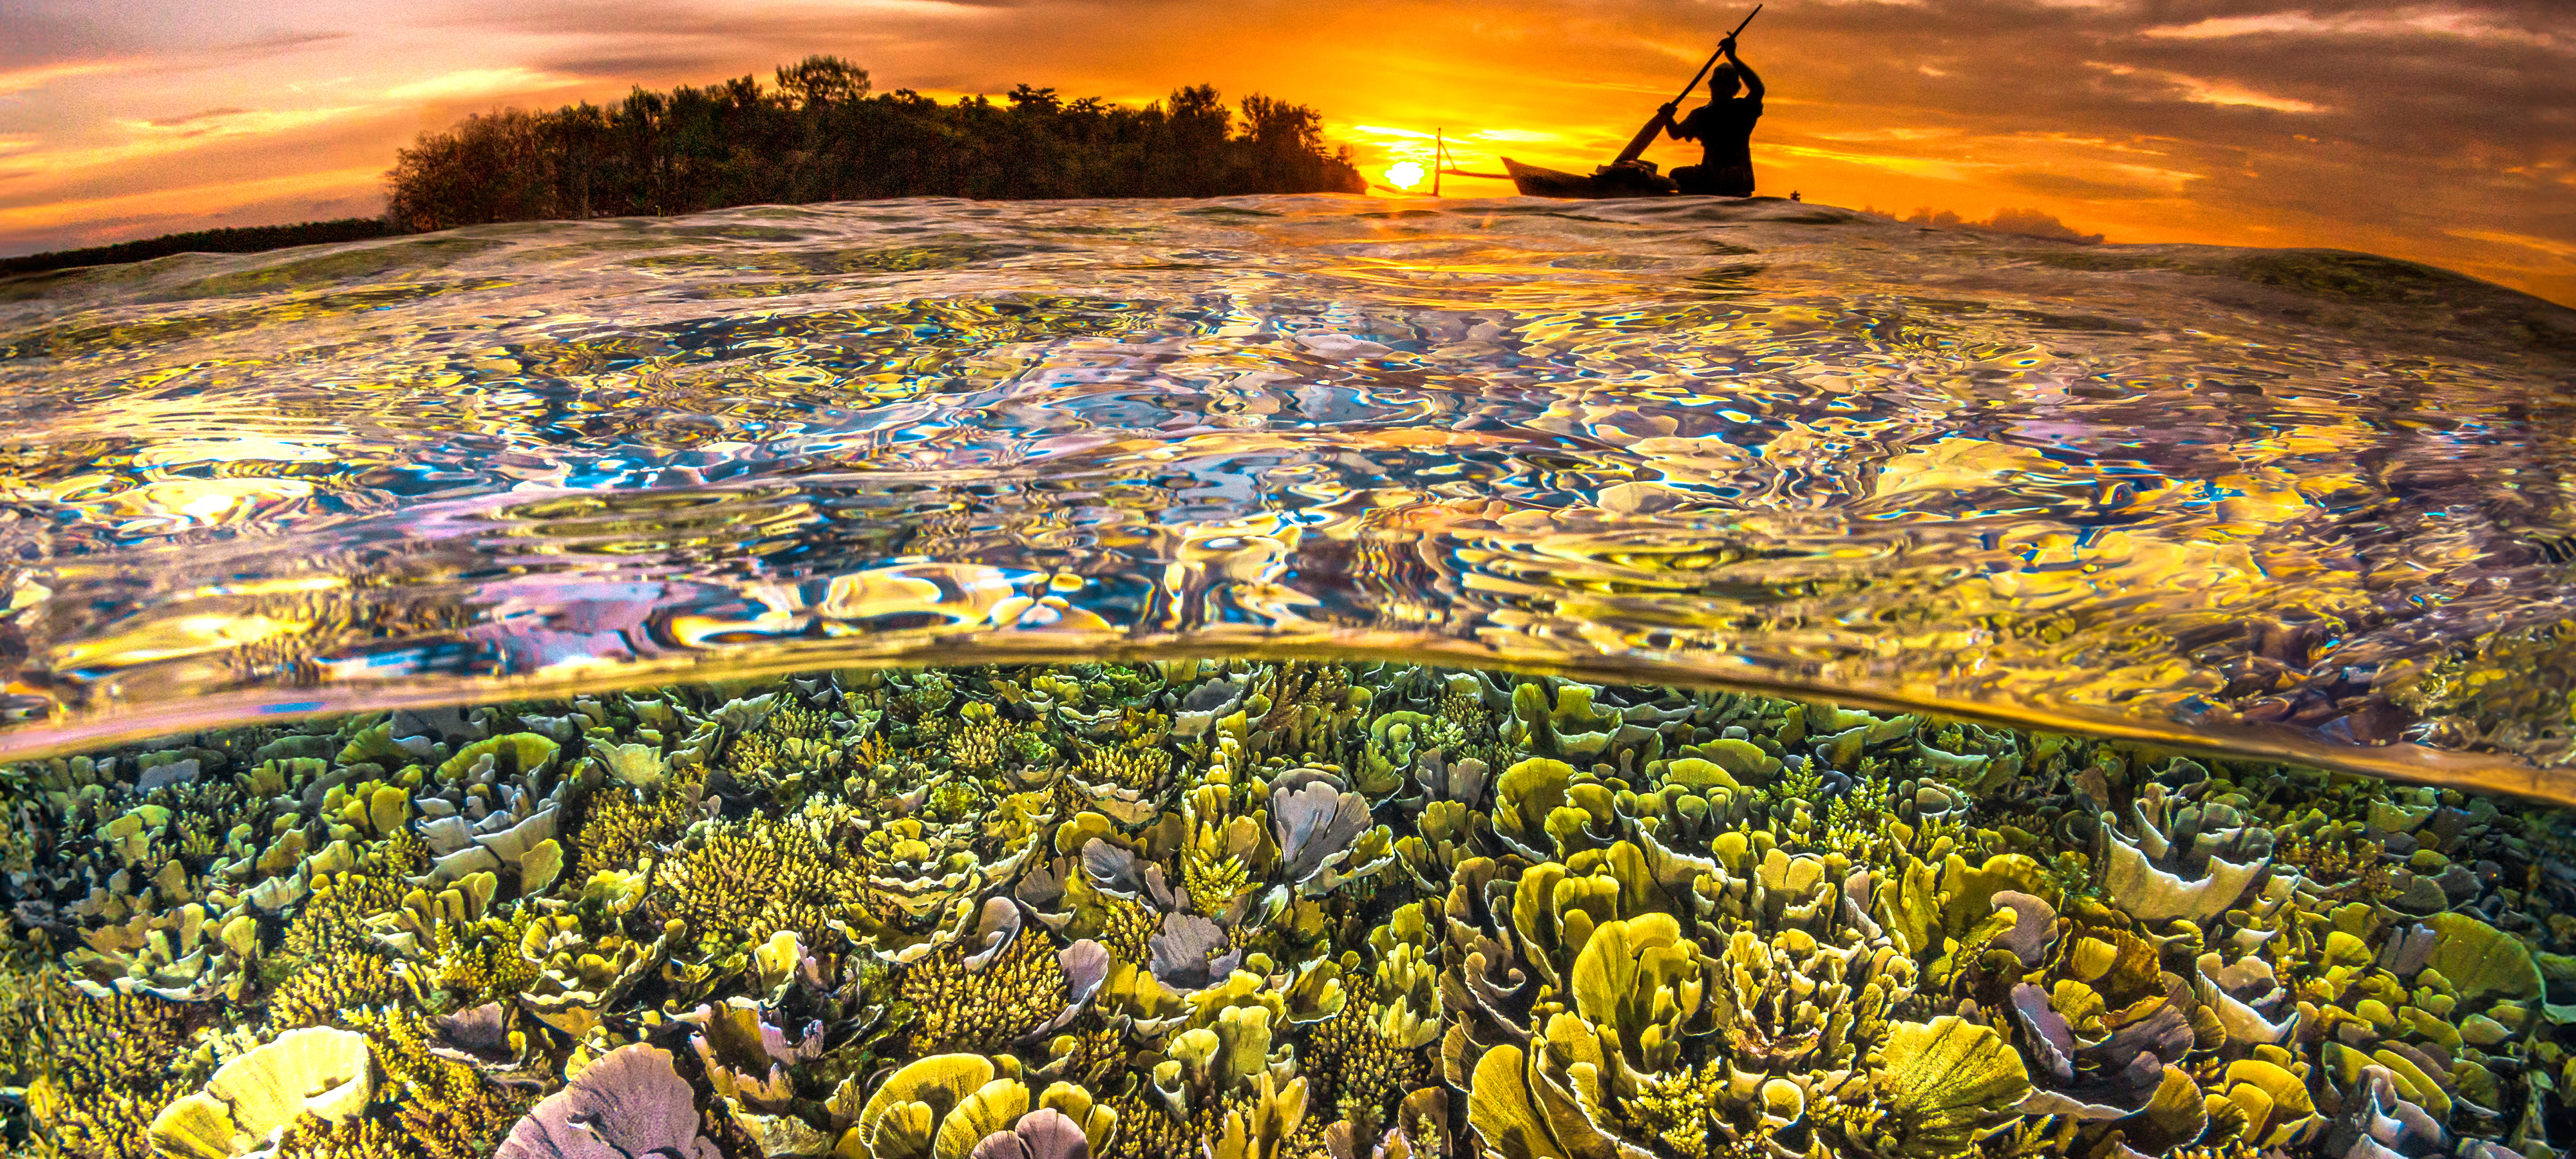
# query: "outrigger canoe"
[1628,176]
[1630,180]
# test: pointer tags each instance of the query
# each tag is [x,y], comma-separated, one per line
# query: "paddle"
[1655,127]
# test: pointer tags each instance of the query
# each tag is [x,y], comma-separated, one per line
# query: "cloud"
[26,80]
[465,84]
[2413,22]
[1938,168]
[631,19]
[138,158]
[193,118]
[2068,185]
[40,40]
[2434,129]
[205,201]
[630,66]
[2210,92]
[1892,133]
[236,123]
[2560,248]
[285,42]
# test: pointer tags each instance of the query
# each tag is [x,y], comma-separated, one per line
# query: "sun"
[1404,174]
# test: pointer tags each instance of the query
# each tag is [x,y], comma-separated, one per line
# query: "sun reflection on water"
[2255,498]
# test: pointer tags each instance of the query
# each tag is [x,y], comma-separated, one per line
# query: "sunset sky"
[2443,132]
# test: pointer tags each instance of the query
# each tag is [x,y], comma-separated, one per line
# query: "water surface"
[2289,502]
[470,677]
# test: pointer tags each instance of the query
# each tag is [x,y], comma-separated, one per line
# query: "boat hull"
[1534,181]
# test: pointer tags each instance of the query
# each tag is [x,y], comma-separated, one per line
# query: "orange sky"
[2442,132]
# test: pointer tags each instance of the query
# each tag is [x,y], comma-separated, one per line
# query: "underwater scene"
[1246,910]
[1284,677]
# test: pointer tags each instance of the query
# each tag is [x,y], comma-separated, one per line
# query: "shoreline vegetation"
[818,133]
[249,239]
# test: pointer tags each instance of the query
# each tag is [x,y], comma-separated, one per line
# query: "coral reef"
[1250,910]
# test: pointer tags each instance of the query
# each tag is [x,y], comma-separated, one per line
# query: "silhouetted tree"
[231,240]
[822,80]
[819,135]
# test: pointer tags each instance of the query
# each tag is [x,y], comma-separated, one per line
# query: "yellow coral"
[746,880]
[112,1122]
[448,1111]
[1359,1073]
[619,826]
[480,962]
[1135,768]
[1015,993]
[318,988]
[311,1138]
[335,916]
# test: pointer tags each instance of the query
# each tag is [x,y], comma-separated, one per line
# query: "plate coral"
[1261,910]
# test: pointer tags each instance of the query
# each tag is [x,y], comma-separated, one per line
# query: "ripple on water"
[2278,501]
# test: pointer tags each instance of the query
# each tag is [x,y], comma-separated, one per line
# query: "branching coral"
[752,878]
[95,1069]
[1243,910]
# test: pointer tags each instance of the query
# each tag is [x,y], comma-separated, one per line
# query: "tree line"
[233,240]
[818,134]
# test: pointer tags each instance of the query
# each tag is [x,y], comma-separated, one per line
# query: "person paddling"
[1724,126]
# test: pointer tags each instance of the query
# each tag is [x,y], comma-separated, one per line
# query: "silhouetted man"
[1724,126]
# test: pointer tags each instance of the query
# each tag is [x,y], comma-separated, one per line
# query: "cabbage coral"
[1233,909]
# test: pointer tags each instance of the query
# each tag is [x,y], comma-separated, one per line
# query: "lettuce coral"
[1236,909]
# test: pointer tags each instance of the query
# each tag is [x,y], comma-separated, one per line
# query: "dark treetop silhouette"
[233,240]
[818,135]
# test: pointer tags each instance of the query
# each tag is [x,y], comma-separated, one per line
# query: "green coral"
[1250,910]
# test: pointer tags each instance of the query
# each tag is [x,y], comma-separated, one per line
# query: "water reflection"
[2284,501]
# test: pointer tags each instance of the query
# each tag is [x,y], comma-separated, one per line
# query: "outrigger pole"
[1441,153]
[1441,158]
